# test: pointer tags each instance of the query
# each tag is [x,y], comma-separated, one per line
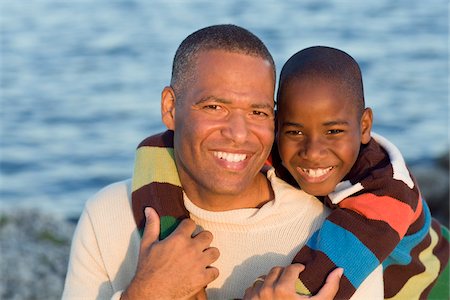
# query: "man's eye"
[260,113]
[212,107]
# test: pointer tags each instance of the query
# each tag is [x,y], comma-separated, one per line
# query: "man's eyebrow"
[262,106]
[212,98]
[226,101]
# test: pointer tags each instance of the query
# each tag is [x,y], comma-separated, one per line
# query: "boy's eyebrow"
[292,124]
[338,122]
[330,123]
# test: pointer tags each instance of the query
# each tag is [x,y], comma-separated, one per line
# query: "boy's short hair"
[226,37]
[324,63]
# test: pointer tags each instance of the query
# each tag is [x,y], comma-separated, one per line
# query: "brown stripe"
[441,251]
[418,224]
[319,266]
[165,198]
[442,248]
[396,276]
[369,232]
[164,139]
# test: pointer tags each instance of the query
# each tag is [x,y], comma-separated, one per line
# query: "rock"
[434,184]
[34,254]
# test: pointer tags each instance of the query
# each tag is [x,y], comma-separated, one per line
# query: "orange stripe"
[383,208]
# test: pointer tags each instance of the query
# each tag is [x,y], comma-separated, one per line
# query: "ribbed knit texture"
[251,241]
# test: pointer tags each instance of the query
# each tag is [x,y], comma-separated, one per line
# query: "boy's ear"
[168,107]
[366,125]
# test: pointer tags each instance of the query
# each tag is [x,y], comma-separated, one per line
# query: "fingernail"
[340,272]
[147,212]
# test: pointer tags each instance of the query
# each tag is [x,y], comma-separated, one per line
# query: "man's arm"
[174,268]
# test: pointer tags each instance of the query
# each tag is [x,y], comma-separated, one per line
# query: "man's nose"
[236,128]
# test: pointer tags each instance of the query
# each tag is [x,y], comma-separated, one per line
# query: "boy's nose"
[313,149]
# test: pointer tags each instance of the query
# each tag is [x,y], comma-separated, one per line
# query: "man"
[220,109]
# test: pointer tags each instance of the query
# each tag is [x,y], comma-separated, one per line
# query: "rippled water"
[81,80]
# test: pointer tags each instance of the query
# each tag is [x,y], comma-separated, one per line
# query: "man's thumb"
[151,231]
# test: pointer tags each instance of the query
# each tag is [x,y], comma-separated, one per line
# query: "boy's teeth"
[317,172]
[231,157]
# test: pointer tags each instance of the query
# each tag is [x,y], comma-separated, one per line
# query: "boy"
[379,217]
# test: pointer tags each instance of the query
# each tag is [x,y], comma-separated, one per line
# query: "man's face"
[320,134]
[224,124]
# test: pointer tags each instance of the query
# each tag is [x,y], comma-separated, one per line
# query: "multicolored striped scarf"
[156,184]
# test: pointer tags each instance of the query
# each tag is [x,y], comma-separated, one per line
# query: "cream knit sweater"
[251,241]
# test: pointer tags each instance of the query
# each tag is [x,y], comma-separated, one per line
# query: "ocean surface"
[81,79]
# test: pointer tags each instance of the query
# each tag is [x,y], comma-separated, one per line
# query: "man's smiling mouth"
[230,157]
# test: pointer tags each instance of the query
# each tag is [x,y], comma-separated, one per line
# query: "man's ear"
[366,125]
[168,107]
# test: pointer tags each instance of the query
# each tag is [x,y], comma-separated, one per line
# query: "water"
[81,80]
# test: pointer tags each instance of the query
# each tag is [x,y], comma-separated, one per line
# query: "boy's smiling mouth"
[315,174]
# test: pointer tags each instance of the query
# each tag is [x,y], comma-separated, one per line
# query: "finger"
[203,239]
[211,254]
[290,275]
[211,274]
[249,293]
[201,295]
[186,228]
[273,276]
[331,286]
[151,230]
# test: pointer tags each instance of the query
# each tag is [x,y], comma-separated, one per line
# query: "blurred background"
[81,83]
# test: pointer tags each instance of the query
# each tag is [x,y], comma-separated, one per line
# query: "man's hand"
[280,284]
[177,267]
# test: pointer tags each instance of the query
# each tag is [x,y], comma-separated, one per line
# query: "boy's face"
[320,134]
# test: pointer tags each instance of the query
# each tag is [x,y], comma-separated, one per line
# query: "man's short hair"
[226,37]
[324,63]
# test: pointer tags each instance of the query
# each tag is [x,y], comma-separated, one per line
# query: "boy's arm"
[357,236]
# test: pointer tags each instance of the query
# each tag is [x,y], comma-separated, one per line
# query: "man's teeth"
[231,157]
[317,172]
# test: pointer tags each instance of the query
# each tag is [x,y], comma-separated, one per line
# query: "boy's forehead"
[314,94]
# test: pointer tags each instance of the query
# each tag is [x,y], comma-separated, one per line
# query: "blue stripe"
[402,253]
[345,250]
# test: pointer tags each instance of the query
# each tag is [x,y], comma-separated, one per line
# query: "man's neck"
[259,193]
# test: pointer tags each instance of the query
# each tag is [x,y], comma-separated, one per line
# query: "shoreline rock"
[434,184]
[35,250]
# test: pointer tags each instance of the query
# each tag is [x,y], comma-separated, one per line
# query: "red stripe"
[383,208]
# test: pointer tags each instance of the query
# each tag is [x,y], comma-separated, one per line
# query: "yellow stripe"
[418,283]
[300,288]
[154,164]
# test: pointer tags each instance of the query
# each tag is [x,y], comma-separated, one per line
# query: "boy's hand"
[280,284]
[177,267]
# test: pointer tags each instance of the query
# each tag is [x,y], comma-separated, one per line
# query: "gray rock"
[434,184]
[34,254]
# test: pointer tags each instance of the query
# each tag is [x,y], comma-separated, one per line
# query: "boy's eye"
[335,131]
[294,132]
